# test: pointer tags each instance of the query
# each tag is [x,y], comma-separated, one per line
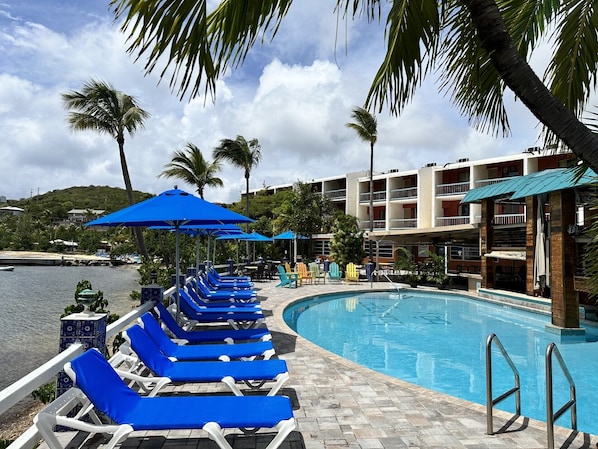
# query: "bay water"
[32,298]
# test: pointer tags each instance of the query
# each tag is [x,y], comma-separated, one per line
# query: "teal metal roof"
[530,185]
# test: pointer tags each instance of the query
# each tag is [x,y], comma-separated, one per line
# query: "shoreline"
[52,259]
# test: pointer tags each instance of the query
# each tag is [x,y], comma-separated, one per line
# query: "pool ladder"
[551,415]
[516,390]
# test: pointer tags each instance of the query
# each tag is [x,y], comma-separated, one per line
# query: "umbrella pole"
[176,283]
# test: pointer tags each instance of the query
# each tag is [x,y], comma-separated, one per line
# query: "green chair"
[316,273]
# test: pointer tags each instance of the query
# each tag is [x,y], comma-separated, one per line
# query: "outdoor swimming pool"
[438,341]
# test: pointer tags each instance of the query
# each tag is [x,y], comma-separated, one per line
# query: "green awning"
[533,184]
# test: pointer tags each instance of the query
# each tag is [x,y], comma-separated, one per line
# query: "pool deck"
[339,404]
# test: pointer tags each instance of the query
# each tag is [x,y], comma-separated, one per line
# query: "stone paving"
[339,404]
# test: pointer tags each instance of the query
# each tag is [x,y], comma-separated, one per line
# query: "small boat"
[7,267]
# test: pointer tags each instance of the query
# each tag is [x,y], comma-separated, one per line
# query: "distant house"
[11,210]
[83,215]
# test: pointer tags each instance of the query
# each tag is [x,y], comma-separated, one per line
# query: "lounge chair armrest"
[149,384]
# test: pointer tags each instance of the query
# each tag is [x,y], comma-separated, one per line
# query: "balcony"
[401,194]
[452,221]
[339,194]
[378,224]
[487,182]
[508,219]
[456,188]
[403,223]
[377,196]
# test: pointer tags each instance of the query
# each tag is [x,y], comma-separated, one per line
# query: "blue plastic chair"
[98,383]
[250,350]
[229,373]
[209,336]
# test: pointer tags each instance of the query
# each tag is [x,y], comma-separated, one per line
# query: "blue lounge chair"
[229,373]
[334,272]
[192,290]
[247,351]
[210,295]
[224,283]
[222,277]
[215,305]
[235,317]
[203,336]
[98,383]
[285,279]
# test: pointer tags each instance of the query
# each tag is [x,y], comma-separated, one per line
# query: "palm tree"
[480,48]
[366,127]
[242,154]
[191,167]
[99,107]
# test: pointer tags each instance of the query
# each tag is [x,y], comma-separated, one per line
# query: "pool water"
[438,341]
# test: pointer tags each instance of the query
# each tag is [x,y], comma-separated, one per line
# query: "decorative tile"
[153,293]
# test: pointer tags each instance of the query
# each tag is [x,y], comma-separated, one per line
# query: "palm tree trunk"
[129,189]
[247,211]
[522,80]
[371,200]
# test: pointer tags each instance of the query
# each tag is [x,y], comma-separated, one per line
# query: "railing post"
[152,292]
[89,329]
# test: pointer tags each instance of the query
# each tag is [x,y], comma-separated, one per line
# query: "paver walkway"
[339,404]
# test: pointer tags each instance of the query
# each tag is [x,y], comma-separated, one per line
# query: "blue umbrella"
[175,208]
[290,235]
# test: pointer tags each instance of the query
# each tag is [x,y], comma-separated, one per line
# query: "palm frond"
[572,70]
[412,35]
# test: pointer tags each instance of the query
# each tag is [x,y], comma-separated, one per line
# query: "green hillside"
[58,202]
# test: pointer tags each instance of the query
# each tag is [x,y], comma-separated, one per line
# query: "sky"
[294,94]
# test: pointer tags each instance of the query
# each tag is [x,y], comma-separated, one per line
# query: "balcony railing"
[487,182]
[403,223]
[336,194]
[452,221]
[377,196]
[509,219]
[378,224]
[400,194]
[452,189]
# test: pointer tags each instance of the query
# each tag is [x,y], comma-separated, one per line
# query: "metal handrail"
[552,416]
[491,402]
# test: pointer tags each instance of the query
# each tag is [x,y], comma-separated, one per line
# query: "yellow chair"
[351,275]
[304,274]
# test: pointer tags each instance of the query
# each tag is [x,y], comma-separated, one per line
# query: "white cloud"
[294,94]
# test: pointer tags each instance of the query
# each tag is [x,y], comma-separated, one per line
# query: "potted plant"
[436,270]
[406,265]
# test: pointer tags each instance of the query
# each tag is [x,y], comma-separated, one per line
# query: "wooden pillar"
[531,228]
[486,242]
[565,306]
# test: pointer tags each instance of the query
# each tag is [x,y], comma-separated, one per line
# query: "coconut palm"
[100,107]
[366,127]
[241,154]
[479,47]
[190,166]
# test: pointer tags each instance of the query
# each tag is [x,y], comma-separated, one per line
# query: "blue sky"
[294,95]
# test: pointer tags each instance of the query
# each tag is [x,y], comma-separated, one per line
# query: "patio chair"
[215,284]
[100,389]
[253,373]
[316,273]
[226,278]
[208,336]
[236,317]
[304,274]
[334,272]
[191,289]
[352,274]
[218,295]
[263,350]
[286,279]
